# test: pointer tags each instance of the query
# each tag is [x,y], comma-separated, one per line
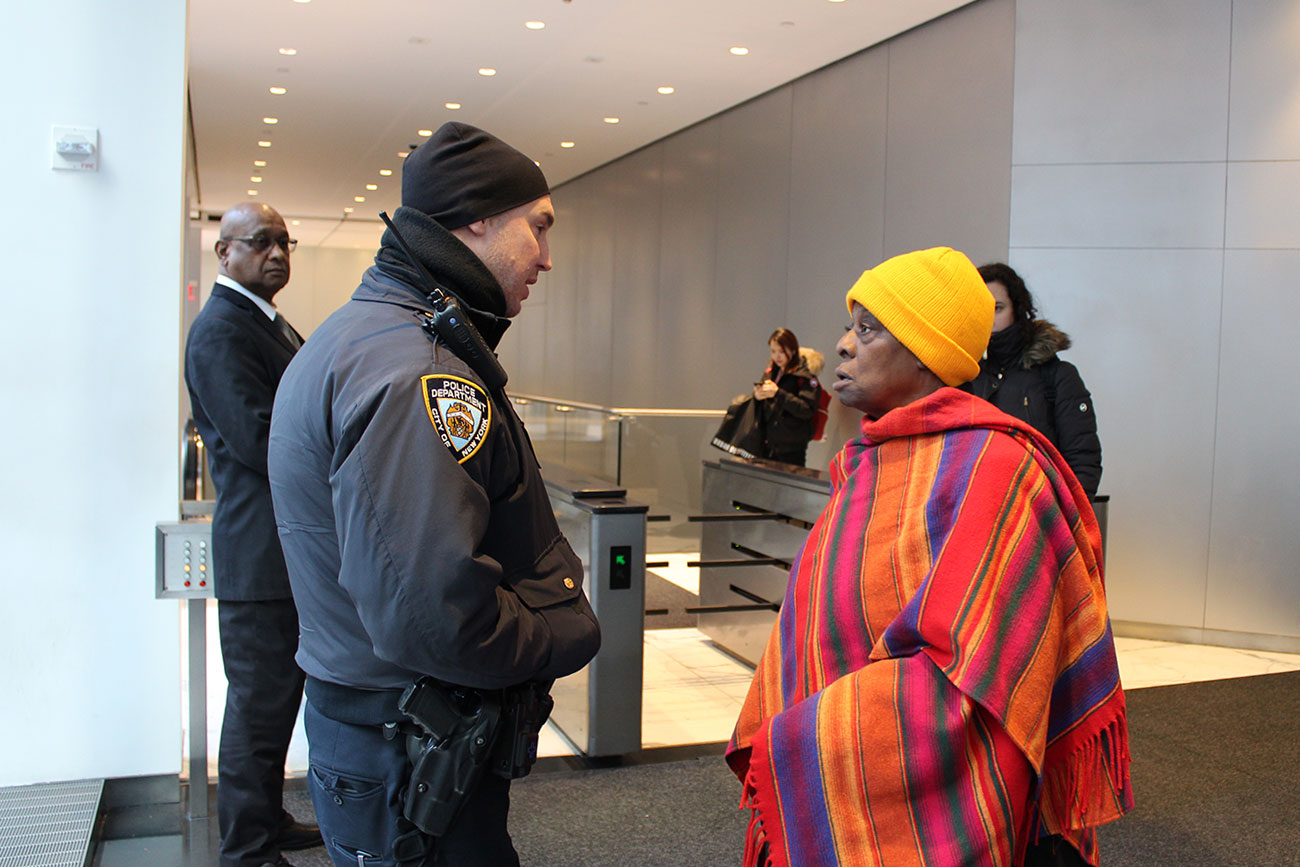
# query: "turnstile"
[757,515]
[599,707]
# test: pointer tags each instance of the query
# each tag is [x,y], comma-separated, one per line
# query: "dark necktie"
[287,330]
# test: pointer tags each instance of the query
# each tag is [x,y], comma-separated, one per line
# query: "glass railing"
[653,452]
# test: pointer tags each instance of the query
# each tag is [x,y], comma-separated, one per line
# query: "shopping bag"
[740,432]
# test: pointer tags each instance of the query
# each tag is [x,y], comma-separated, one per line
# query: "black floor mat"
[661,594]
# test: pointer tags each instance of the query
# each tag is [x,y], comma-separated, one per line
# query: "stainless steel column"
[599,708]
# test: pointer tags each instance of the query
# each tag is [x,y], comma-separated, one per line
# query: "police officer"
[419,538]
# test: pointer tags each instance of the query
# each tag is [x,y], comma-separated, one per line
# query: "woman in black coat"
[1022,376]
[787,399]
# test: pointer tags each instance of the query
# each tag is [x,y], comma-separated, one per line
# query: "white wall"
[89,669]
[1156,170]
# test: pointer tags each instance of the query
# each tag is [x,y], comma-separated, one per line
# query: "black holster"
[458,728]
[524,711]
[462,731]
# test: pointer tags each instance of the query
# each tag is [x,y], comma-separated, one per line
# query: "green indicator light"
[620,560]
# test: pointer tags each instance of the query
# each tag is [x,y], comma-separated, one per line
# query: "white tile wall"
[1265,119]
[1117,205]
[1118,81]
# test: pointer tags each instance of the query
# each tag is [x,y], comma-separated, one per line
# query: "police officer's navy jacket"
[414,521]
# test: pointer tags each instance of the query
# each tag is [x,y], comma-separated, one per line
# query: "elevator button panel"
[183,562]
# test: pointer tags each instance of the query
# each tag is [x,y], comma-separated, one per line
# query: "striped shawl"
[940,687]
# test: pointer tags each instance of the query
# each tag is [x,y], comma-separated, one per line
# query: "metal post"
[198,700]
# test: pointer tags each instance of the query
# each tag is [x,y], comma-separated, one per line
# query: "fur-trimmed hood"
[1046,342]
[814,360]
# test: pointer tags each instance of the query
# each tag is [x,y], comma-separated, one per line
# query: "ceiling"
[367,76]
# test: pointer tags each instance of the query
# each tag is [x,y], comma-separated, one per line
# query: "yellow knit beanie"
[936,304]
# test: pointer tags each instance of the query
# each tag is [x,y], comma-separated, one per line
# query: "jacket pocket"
[554,579]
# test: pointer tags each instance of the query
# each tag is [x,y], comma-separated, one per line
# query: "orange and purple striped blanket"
[940,687]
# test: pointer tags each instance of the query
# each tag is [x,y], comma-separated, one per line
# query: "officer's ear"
[478,228]
[221,247]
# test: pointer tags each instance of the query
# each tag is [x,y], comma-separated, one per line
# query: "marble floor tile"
[1144,663]
[677,571]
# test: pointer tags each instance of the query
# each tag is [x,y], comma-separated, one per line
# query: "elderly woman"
[940,687]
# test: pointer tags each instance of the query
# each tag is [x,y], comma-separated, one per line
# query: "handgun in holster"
[458,727]
[524,711]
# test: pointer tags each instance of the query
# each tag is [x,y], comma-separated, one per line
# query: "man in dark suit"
[237,350]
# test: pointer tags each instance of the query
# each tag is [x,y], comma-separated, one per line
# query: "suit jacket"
[234,359]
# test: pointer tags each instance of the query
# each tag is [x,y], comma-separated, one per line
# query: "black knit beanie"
[463,174]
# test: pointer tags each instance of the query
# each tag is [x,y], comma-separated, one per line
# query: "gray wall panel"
[949,139]
[1265,120]
[594,299]
[1117,81]
[1254,581]
[837,192]
[685,329]
[634,353]
[1157,441]
[1262,204]
[749,293]
[1102,205]
[560,296]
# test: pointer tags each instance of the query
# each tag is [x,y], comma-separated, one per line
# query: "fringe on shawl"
[761,848]
[1090,786]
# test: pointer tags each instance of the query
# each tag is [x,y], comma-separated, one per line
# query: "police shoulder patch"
[460,411]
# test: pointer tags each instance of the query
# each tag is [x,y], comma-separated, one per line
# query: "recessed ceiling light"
[302,1]
[252,192]
[534,25]
[385,172]
[739,50]
[259,163]
[403,154]
[279,91]
[372,186]
[264,144]
[295,222]
[566,144]
[257,179]
[837,1]
[288,52]
[347,210]
[451,105]
[487,70]
[358,198]
[611,120]
[666,90]
[425,132]
[271,120]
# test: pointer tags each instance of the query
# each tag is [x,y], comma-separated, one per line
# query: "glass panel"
[580,438]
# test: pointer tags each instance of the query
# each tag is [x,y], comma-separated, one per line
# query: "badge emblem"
[460,411]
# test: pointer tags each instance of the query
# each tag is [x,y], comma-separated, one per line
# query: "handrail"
[619,411]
